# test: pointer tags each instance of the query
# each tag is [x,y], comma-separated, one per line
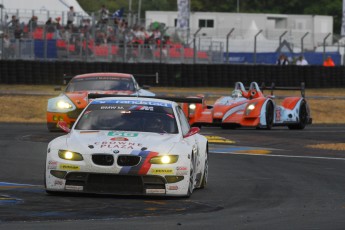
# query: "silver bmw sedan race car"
[128,146]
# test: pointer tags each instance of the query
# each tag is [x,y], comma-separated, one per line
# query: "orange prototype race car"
[252,109]
[70,103]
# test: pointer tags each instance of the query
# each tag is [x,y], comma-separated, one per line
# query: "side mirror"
[63,125]
[192,131]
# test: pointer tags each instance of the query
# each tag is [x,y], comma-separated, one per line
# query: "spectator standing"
[282,60]
[32,24]
[301,61]
[49,21]
[103,15]
[8,47]
[70,17]
[57,23]
[13,23]
[328,62]
[116,26]
[50,28]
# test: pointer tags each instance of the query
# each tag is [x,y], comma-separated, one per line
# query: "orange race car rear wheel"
[302,117]
[269,115]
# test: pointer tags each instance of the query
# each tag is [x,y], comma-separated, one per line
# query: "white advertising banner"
[183,14]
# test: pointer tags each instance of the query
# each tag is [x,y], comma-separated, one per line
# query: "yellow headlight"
[72,156]
[166,159]
[68,155]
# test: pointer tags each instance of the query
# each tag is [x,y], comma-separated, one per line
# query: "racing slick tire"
[303,117]
[269,115]
[191,178]
[205,176]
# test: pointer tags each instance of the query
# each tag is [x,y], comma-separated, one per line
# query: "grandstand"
[43,9]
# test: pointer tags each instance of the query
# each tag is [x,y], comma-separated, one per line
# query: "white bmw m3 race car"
[128,146]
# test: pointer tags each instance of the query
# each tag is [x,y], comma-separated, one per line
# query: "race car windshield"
[117,84]
[128,118]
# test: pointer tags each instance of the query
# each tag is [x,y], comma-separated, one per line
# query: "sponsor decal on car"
[52,165]
[173,187]
[74,187]
[157,171]
[122,134]
[181,171]
[119,139]
[155,191]
[69,167]
[118,145]
[133,102]
[144,165]
[141,107]
[109,107]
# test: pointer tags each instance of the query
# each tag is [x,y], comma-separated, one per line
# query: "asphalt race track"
[259,179]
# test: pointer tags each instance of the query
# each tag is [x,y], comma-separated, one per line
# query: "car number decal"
[122,134]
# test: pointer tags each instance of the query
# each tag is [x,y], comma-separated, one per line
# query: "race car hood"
[87,142]
[79,98]
[224,104]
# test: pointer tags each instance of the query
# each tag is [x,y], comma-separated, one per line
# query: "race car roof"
[123,75]
[134,101]
[197,100]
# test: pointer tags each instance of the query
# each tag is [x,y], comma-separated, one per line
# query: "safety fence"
[59,49]
[175,75]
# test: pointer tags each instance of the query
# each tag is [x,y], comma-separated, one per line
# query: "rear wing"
[196,100]
[274,87]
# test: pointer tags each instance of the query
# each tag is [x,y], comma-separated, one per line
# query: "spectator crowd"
[106,29]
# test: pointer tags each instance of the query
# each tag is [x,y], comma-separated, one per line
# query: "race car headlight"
[69,155]
[166,159]
[60,104]
[192,106]
[250,108]
[63,105]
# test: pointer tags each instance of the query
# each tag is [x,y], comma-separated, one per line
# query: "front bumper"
[54,118]
[115,184]
[100,175]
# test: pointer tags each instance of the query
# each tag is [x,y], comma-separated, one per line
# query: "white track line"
[283,156]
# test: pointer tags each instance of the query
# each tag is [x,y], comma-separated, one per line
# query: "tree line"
[310,7]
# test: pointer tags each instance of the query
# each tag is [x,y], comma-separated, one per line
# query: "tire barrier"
[176,75]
